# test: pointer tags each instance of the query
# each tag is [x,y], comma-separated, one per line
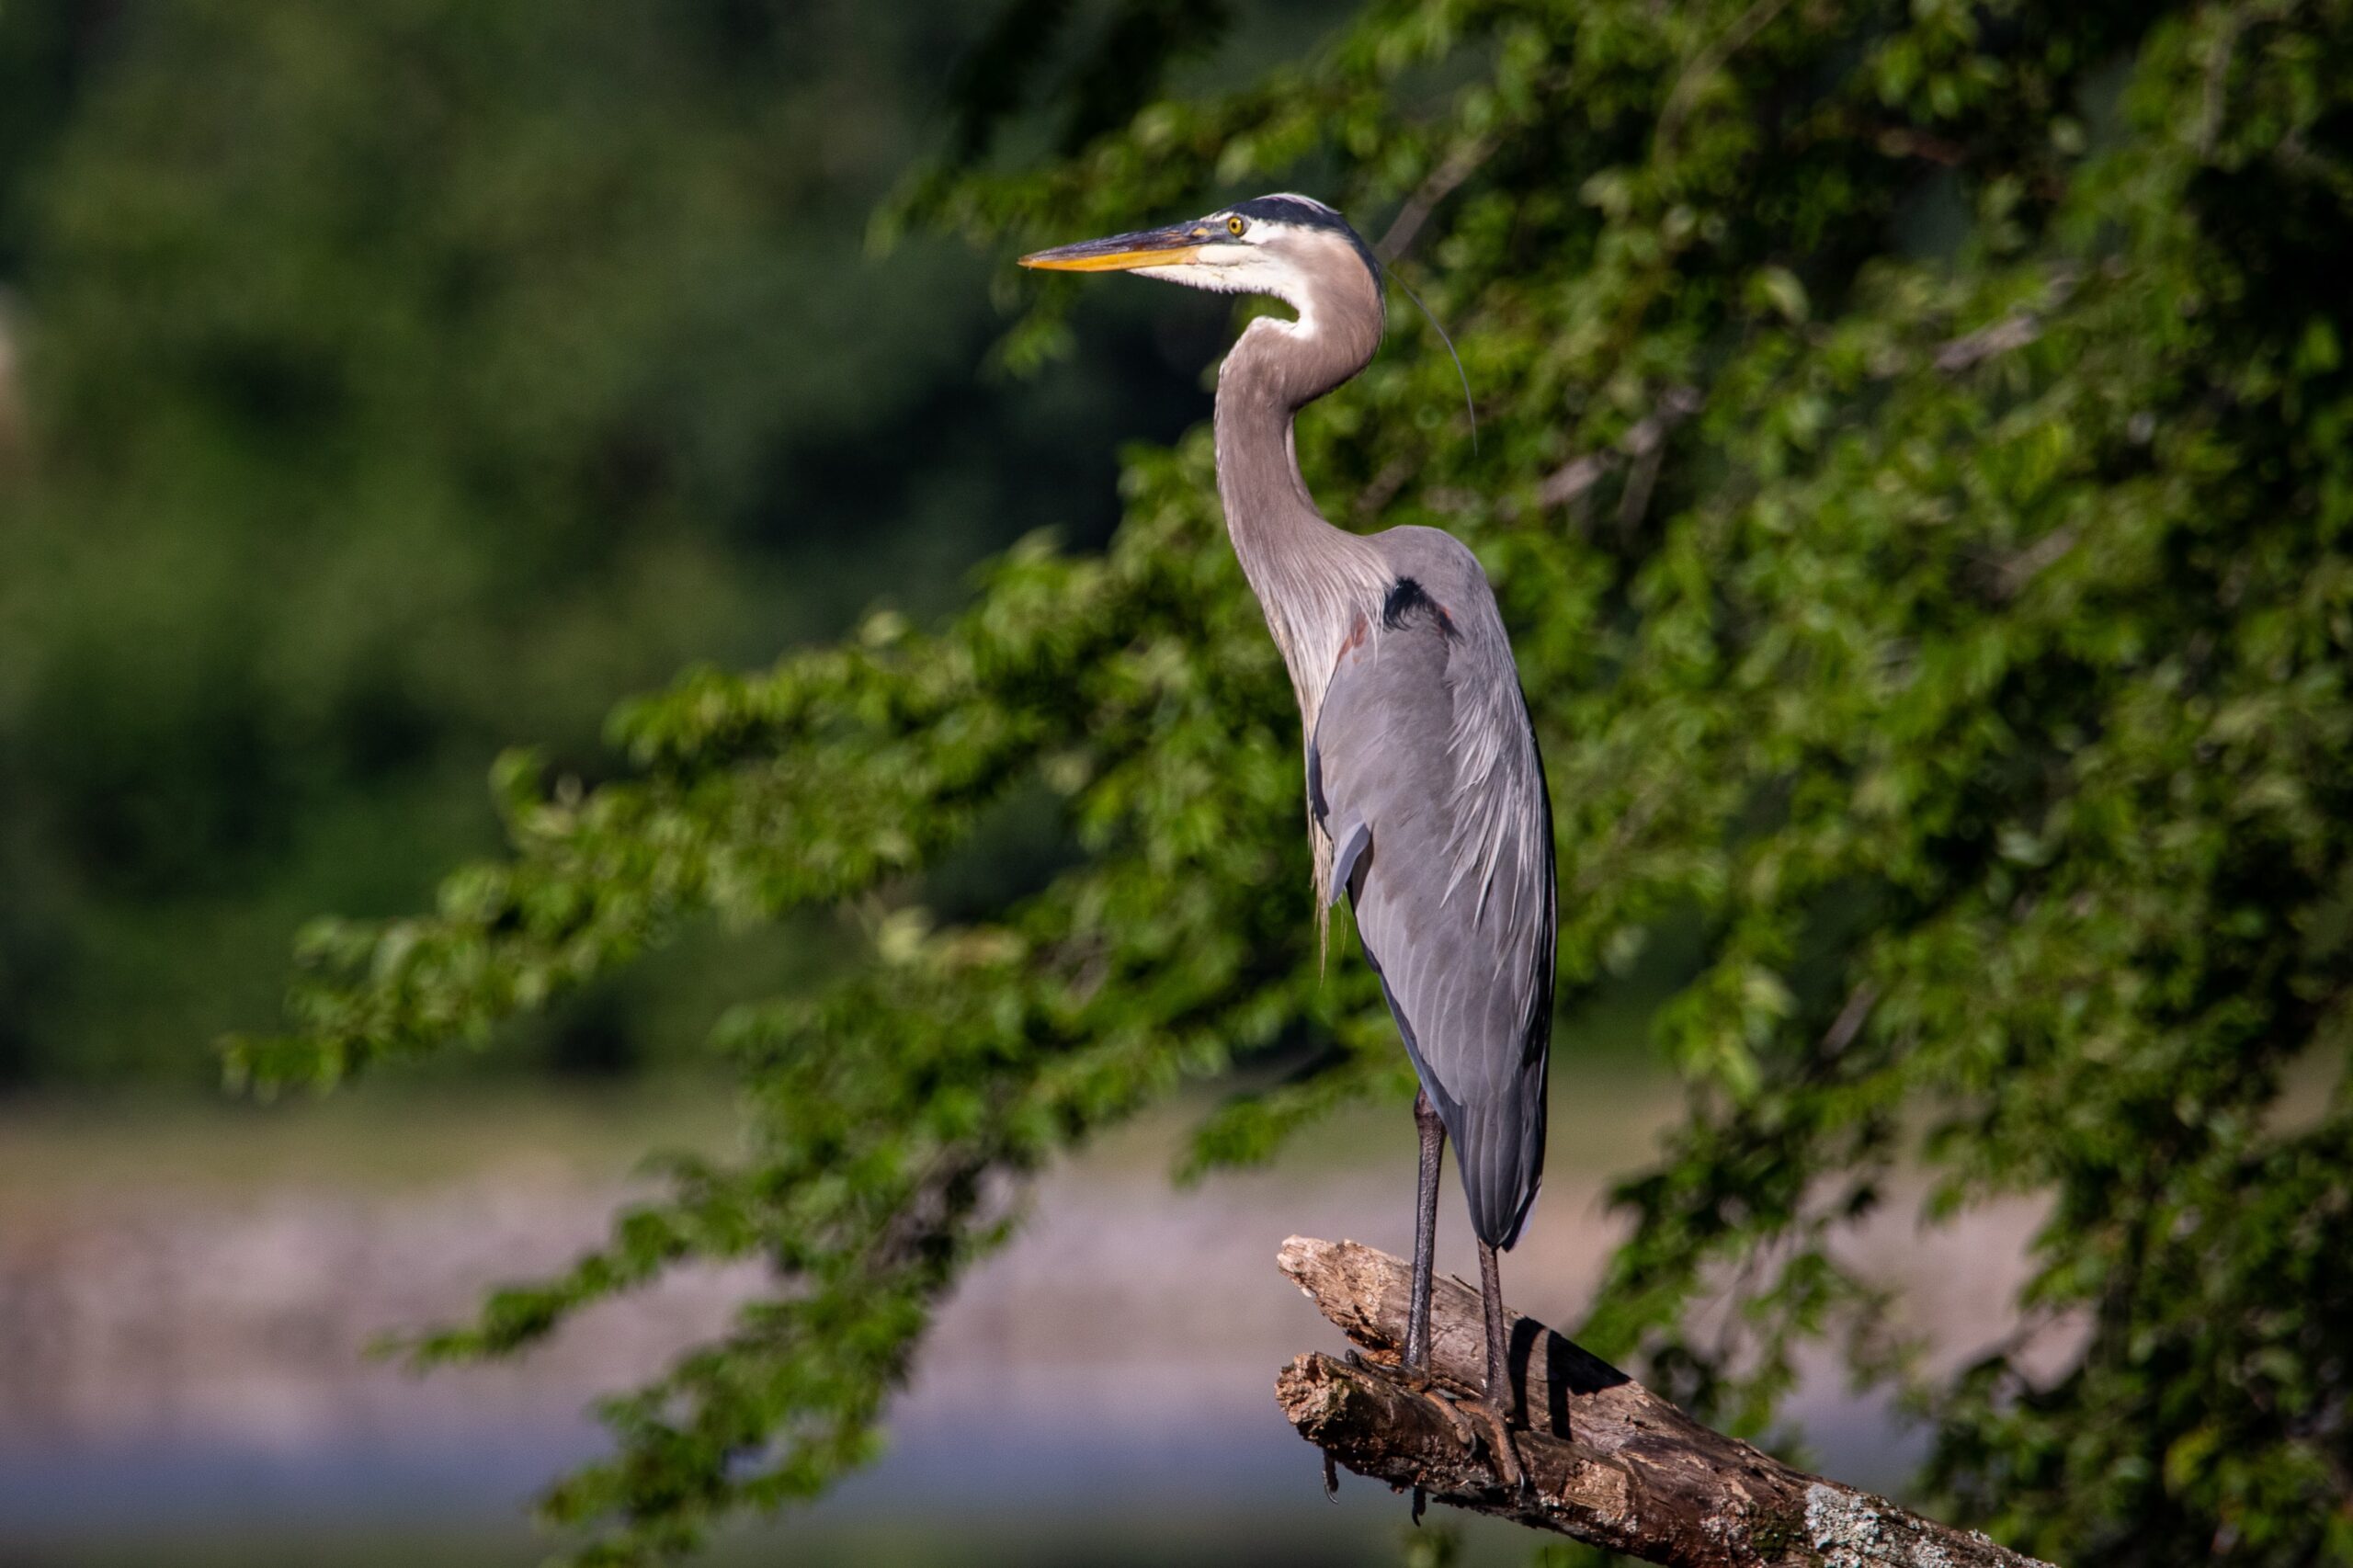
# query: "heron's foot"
[1509,1469]
[1466,1432]
[1418,1378]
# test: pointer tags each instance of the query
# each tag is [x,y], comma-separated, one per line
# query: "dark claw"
[1331,1479]
[1421,1501]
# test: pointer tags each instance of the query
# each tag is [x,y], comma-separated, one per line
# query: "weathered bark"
[1607,1462]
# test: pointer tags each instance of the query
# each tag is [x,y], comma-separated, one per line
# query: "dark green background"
[410,378]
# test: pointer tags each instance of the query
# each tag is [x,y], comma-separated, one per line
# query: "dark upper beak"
[1170,246]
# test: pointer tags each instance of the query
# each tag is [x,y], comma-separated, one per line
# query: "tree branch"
[2013,332]
[1710,61]
[1457,166]
[1645,439]
[1608,1462]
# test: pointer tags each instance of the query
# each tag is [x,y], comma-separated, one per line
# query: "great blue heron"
[1426,794]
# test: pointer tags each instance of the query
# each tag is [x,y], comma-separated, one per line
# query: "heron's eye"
[1234,226]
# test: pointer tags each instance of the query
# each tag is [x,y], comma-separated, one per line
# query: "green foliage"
[1971,669]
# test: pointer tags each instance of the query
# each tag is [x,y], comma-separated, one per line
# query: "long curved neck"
[1316,583]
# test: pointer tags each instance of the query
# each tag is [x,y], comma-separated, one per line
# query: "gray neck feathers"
[1317,584]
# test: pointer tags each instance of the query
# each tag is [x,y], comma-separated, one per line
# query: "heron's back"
[1424,773]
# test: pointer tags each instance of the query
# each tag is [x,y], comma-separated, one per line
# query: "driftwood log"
[1607,1462]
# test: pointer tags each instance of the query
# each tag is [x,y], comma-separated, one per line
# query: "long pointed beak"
[1172,247]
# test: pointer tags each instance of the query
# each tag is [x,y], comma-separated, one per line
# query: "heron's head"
[1292,247]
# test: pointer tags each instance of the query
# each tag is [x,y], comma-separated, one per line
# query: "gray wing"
[1423,773]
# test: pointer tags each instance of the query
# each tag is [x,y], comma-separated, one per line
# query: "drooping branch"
[1457,166]
[1607,1462]
[1643,444]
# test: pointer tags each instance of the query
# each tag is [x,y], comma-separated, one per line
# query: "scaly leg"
[1417,1306]
[1502,1403]
[1417,1310]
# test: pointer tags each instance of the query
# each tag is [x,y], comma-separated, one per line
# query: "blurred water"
[180,1382]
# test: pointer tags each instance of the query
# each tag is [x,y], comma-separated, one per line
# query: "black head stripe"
[1302,212]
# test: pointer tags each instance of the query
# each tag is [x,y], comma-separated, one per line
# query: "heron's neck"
[1317,584]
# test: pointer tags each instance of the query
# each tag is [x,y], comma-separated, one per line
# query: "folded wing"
[1425,776]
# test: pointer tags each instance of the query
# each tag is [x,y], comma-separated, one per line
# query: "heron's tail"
[1499,1148]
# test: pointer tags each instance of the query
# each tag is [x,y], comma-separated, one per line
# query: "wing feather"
[1425,770]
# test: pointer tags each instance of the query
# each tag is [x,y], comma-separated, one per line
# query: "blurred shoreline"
[185,1294]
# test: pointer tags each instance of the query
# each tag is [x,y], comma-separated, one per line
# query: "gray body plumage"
[1426,795]
[1423,774]
[1426,803]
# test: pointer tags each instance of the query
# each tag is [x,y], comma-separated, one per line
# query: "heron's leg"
[1427,1122]
[1503,1402]
[1418,1309]
[1491,1296]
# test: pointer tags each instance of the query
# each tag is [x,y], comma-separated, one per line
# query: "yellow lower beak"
[1121,253]
[1117,261]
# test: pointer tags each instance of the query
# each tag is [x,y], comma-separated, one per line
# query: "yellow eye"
[1234,226]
